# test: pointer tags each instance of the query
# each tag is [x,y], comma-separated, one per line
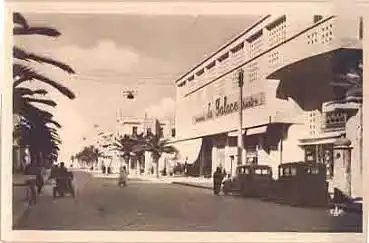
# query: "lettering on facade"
[224,107]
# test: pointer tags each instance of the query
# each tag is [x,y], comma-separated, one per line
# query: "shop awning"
[320,140]
[256,130]
[317,142]
[189,150]
[235,133]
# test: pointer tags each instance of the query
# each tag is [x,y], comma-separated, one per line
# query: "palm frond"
[18,18]
[20,91]
[45,31]
[41,101]
[23,55]
[30,75]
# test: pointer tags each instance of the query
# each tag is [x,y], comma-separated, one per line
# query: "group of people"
[63,179]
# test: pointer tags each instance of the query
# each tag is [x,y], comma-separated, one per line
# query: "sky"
[116,53]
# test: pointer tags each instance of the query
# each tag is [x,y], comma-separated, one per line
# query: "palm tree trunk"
[156,164]
[126,161]
[157,168]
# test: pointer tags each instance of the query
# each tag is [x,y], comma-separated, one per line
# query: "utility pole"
[240,146]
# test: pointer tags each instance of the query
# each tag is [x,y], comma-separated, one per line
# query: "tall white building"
[289,63]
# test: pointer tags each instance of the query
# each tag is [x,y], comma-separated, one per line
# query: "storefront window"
[321,153]
[310,154]
[328,161]
[251,155]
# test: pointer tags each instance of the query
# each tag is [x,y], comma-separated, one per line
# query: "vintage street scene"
[203,123]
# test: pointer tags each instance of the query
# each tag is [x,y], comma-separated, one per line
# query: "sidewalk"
[200,182]
[20,205]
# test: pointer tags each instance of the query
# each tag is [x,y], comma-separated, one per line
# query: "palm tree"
[89,155]
[36,123]
[157,146]
[138,150]
[126,145]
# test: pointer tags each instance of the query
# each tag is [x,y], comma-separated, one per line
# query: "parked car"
[302,184]
[250,180]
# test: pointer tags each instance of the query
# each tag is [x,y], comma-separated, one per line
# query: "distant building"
[145,126]
[289,63]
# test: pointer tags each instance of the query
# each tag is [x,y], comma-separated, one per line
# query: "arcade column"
[342,166]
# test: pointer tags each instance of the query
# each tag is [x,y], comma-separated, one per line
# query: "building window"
[326,34]
[273,58]
[255,43]
[182,84]
[334,120]
[210,65]
[253,70]
[148,131]
[161,132]
[310,154]
[200,72]
[191,78]
[277,31]
[312,37]
[173,132]
[237,48]
[251,155]
[134,130]
[328,160]
[317,18]
[322,154]
[223,57]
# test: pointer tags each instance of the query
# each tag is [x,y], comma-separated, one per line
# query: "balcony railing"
[334,121]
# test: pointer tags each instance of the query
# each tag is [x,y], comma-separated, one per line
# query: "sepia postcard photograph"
[188,122]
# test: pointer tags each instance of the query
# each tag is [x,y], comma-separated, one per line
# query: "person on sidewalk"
[217,180]
[40,179]
[122,180]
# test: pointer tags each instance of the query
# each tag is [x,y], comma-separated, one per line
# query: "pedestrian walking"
[122,181]
[217,180]
[40,181]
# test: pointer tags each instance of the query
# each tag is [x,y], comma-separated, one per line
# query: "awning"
[320,140]
[256,130]
[235,133]
[189,150]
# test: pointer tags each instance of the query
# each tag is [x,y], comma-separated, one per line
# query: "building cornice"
[258,22]
[259,55]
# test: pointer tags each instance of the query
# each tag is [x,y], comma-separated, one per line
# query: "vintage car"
[302,184]
[250,180]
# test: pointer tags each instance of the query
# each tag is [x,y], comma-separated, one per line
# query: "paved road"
[101,205]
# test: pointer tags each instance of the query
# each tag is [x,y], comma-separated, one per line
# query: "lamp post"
[240,146]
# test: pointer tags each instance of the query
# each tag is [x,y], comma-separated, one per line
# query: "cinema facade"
[288,103]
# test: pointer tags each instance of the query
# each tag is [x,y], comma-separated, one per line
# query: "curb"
[350,208]
[192,185]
